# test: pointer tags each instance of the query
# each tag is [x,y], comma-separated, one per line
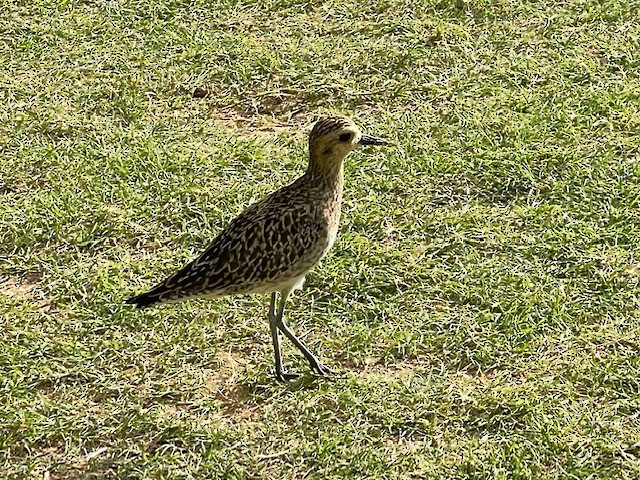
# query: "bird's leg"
[273,325]
[317,366]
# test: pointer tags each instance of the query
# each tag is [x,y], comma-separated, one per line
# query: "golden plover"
[272,245]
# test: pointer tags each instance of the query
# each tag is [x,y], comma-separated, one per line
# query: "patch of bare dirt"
[195,389]
[25,287]
[222,384]
[19,286]
[376,368]
[252,122]
[53,463]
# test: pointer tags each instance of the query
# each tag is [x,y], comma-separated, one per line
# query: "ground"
[481,303]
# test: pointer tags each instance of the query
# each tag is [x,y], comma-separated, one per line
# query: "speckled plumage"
[270,243]
[273,244]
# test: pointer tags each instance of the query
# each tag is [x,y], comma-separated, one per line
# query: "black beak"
[369,140]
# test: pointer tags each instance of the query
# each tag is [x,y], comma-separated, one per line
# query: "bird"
[271,246]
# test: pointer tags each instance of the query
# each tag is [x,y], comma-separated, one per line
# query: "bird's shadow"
[308,381]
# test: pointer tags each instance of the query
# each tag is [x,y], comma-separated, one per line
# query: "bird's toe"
[285,377]
[320,369]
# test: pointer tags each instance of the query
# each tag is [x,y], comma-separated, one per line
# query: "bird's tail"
[143,300]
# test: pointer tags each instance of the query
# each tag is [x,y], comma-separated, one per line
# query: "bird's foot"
[320,369]
[285,377]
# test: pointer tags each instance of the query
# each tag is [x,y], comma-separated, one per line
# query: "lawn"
[481,303]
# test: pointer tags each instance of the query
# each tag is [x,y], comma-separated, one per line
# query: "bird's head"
[332,138]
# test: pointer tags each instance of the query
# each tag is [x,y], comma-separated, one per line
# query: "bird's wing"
[267,242]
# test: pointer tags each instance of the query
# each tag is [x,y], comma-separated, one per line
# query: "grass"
[482,299]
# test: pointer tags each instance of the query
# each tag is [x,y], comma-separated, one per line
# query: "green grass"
[482,301]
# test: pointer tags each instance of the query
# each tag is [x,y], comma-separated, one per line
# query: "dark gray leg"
[281,375]
[317,366]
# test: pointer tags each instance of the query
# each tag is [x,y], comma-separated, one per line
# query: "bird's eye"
[345,137]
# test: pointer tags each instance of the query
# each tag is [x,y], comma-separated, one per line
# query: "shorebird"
[270,247]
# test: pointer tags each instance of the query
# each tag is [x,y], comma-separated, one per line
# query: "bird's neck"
[327,174]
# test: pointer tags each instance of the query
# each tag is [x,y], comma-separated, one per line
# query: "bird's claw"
[320,370]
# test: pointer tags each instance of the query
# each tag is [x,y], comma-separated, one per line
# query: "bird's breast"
[331,219]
